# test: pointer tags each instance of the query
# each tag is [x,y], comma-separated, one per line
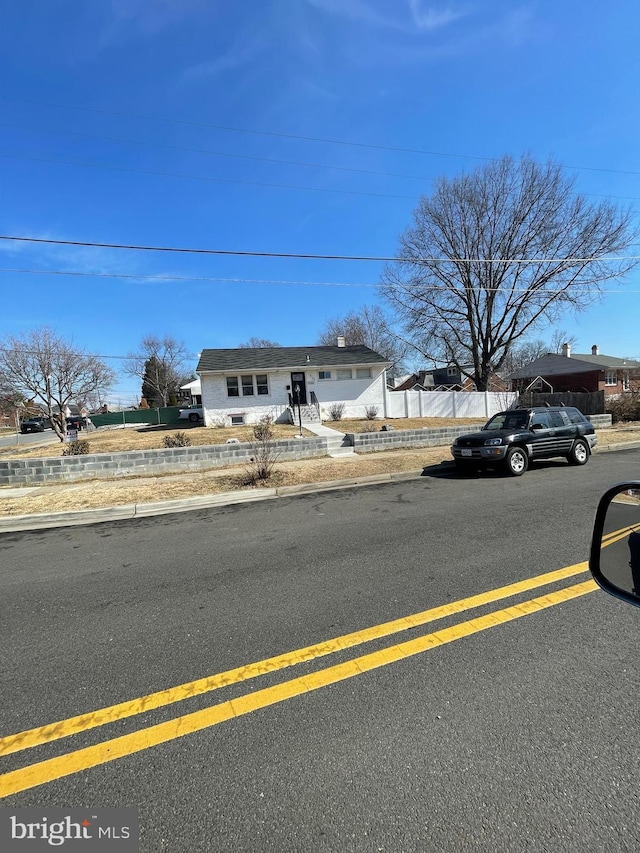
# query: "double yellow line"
[83,759]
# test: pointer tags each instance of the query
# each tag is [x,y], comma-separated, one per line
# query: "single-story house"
[243,385]
[582,372]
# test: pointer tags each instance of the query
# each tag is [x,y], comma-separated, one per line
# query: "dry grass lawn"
[102,493]
[147,438]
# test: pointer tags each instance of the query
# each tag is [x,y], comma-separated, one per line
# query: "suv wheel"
[516,461]
[579,453]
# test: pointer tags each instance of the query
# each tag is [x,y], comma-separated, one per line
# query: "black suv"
[35,425]
[513,439]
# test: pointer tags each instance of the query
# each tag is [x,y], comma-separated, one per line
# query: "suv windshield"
[508,420]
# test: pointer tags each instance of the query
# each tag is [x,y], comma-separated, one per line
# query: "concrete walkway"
[337,443]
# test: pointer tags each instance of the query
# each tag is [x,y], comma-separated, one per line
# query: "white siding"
[356,394]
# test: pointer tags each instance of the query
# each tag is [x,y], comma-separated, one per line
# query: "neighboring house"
[190,394]
[242,385]
[582,372]
[450,378]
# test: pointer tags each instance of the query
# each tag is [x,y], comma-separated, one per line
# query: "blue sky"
[83,158]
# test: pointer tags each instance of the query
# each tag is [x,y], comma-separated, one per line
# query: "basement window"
[237,420]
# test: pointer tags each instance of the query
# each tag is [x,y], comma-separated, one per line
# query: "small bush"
[371,413]
[265,453]
[79,447]
[626,407]
[177,439]
[336,411]
[220,422]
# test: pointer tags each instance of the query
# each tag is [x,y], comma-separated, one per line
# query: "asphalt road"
[44,438]
[522,735]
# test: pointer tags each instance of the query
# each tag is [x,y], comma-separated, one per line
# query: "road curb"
[43,521]
[623,445]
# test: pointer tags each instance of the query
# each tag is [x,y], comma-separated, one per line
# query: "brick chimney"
[566,350]
[341,342]
[595,350]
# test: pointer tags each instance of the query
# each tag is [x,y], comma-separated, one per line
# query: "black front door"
[298,383]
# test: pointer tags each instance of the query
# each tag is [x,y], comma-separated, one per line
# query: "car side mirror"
[537,426]
[615,548]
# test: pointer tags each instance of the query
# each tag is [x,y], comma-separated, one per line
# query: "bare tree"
[258,343]
[559,338]
[492,253]
[524,352]
[160,364]
[43,367]
[370,327]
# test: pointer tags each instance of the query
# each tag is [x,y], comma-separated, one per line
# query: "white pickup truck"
[193,414]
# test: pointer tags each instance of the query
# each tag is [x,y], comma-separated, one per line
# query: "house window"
[343,374]
[237,420]
[363,373]
[324,374]
[232,386]
[452,371]
[262,386]
[247,386]
[611,377]
[625,380]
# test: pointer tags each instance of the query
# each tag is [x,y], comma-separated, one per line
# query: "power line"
[219,153]
[312,256]
[289,282]
[299,137]
[200,177]
[268,185]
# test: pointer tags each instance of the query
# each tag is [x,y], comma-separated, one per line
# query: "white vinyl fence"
[448,404]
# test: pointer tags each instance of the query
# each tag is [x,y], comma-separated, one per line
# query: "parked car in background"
[193,414]
[76,422]
[36,424]
[514,438]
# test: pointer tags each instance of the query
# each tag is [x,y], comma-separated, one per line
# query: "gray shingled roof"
[275,358]
[553,364]
[607,360]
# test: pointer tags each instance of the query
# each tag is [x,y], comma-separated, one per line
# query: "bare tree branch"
[367,327]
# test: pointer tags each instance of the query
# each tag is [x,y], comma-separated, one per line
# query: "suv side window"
[541,418]
[575,416]
[556,419]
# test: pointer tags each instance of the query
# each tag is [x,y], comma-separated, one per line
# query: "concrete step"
[340,451]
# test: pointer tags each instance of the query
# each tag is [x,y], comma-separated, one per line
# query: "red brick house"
[581,372]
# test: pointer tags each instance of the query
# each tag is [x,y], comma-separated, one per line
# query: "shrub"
[265,453]
[371,413]
[220,422]
[177,439]
[79,447]
[336,411]
[626,407]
